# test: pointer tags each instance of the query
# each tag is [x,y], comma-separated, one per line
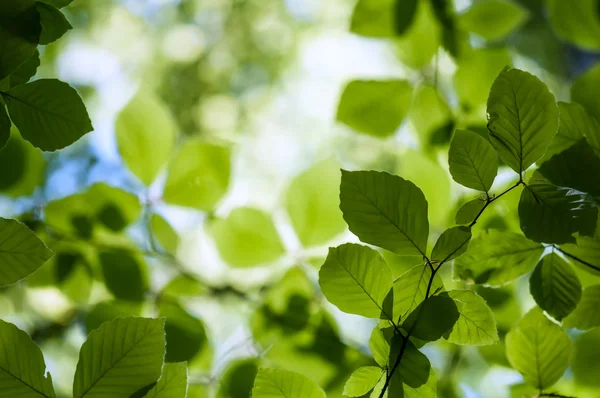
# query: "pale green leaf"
[198,175]
[451,244]
[552,214]
[164,233]
[576,22]
[410,289]
[385,210]
[379,346]
[539,349]
[247,237]
[467,212]
[54,24]
[382,18]
[555,286]
[119,358]
[523,118]
[362,381]
[48,113]
[375,107]
[429,112]
[473,161]
[432,318]
[22,366]
[476,324]
[279,383]
[587,313]
[146,133]
[21,251]
[493,19]
[172,382]
[495,258]
[357,280]
[312,203]
[587,250]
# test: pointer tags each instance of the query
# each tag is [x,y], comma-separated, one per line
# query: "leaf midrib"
[23,382]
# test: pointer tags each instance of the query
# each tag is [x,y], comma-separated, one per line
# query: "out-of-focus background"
[217,207]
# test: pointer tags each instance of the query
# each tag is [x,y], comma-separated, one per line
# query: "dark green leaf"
[493,19]
[111,216]
[555,286]
[21,251]
[385,210]
[375,107]
[59,3]
[48,113]
[124,275]
[432,318]
[552,214]
[586,366]
[576,23]
[414,377]
[588,250]
[495,258]
[54,24]
[4,127]
[577,167]
[523,118]
[473,161]
[119,358]
[22,366]
[476,324]
[172,382]
[467,212]
[357,280]
[238,378]
[362,381]
[587,313]
[26,71]
[19,34]
[452,243]
[410,289]
[279,383]
[539,349]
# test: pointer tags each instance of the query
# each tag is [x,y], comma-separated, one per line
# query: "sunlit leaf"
[583,92]
[429,111]
[54,24]
[588,250]
[539,349]
[279,383]
[432,318]
[493,19]
[476,324]
[146,133]
[164,233]
[108,310]
[495,258]
[380,347]
[523,118]
[312,203]
[555,286]
[357,280]
[198,175]
[375,107]
[172,382]
[119,358]
[362,381]
[382,18]
[48,113]
[452,243]
[473,161]
[385,210]
[410,289]
[467,212]
[576,23]
[247,237]
[587,313]
[552,214]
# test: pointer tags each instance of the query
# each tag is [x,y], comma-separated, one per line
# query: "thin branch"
[581,261]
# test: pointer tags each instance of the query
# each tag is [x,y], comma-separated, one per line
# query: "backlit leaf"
[410,289]
[362,381]
[432,318]
[467,212]
[473,161]
[172,382]
[587,313]
[476,324]
[452,243]
[493,19]
[279,383]
[576,23]
[164,233]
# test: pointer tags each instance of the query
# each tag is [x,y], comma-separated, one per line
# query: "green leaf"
[467,212]
[375,107]
[54,24]
[576,23]
[119,358]
[583,92]
[586,366]
[575,123]
[451,244]
[22,167]
[552,214]
[588,250]
[172,382]
[145,132]
[523,118]
[476,324]
[357,280]
[576,167]
[385,210]
[312,203]
[59,3]
[410,289]
[379,346]
[198,176]
[164,233]
[48,113]
[125,274]
[108,310]
[362,381]
[21,251]
[246,238]
[184,285]
[382,18]
[238,378]
[429,112]
[493,19]
[19,34]
[414,377]
[539,349]
[587,313]
[432,318]
[22,366]
[26,70]
[4,127]
[495,258]
[473,161]
[186,335]
[555,286]
[279,383]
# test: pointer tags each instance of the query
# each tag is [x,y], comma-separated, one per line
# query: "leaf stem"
[587,264]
